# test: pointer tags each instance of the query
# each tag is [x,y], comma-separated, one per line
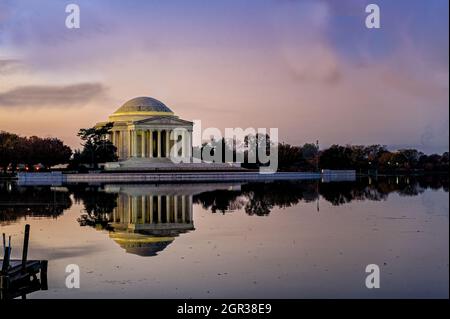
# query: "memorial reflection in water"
[148,218]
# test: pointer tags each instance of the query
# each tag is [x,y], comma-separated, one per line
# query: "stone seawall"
[57,178]
[187,177]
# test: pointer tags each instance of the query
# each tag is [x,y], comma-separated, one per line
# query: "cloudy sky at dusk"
[310,68]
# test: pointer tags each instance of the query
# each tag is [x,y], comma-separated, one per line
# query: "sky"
[309,68]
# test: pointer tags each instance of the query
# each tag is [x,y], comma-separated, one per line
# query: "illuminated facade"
[145,130]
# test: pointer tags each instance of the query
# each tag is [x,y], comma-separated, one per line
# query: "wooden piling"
[43,276]
[25,246]
[4,283]
[19,277]
[6,258]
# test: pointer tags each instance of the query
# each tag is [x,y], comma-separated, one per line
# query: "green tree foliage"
[288,156]
[377,157]
[33,150]
[47,151]
[9,144]
[308,157]
[296,158]
[338,157]
[256,148]
[97,148]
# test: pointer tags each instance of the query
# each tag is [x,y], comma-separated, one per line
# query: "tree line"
[96,148]
[309,157]
[30,151]
[378,157]
[18,152]
[260,198]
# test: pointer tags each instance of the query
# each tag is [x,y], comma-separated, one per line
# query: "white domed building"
[145,132]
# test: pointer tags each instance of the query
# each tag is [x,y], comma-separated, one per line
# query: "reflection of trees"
[219,201]
[339,193]
[45,201]
[97,203]
[434,182]
[255,198]
[42,201]
[260,198]
[95,200]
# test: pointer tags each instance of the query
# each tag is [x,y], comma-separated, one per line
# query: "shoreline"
[58,178]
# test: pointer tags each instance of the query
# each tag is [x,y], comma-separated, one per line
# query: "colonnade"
[153,209]
[152,143]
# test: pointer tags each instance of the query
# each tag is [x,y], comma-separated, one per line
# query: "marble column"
[134,209]
[129,134]
[159,143]
[130,209]
[134,143]
[150,143]
[176,144]
[143,144]
[159,209]
[144,208]
[117,145]
[183,208]
[151,209]
[167,144]
[121,143]
[130,144]
[175,208]
[183,144]
[168,209]
[189,144]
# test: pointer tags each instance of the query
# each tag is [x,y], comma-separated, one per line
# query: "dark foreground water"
[253,240]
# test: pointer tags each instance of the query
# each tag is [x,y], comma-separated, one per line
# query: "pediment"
[163,120]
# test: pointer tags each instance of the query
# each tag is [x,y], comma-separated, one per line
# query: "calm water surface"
[254,240]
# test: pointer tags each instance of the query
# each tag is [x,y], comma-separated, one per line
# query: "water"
[254,240]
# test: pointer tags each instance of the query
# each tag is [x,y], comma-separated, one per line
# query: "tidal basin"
[281,239]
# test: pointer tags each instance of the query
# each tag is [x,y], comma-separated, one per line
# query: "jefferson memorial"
[146,132]
[149,136]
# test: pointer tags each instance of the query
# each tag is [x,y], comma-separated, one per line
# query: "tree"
[337,157]
[97,148]
[309,156]
[254,145]
[309,151]
[47,151]
[15,150]
[409,158]
[8,149]
[288,156]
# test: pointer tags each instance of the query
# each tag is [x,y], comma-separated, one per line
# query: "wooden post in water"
[4,243]
[4,279]
[25,246]
[43,277]
[4,285]
[5,265]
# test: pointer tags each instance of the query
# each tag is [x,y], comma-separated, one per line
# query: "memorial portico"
[146,129]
